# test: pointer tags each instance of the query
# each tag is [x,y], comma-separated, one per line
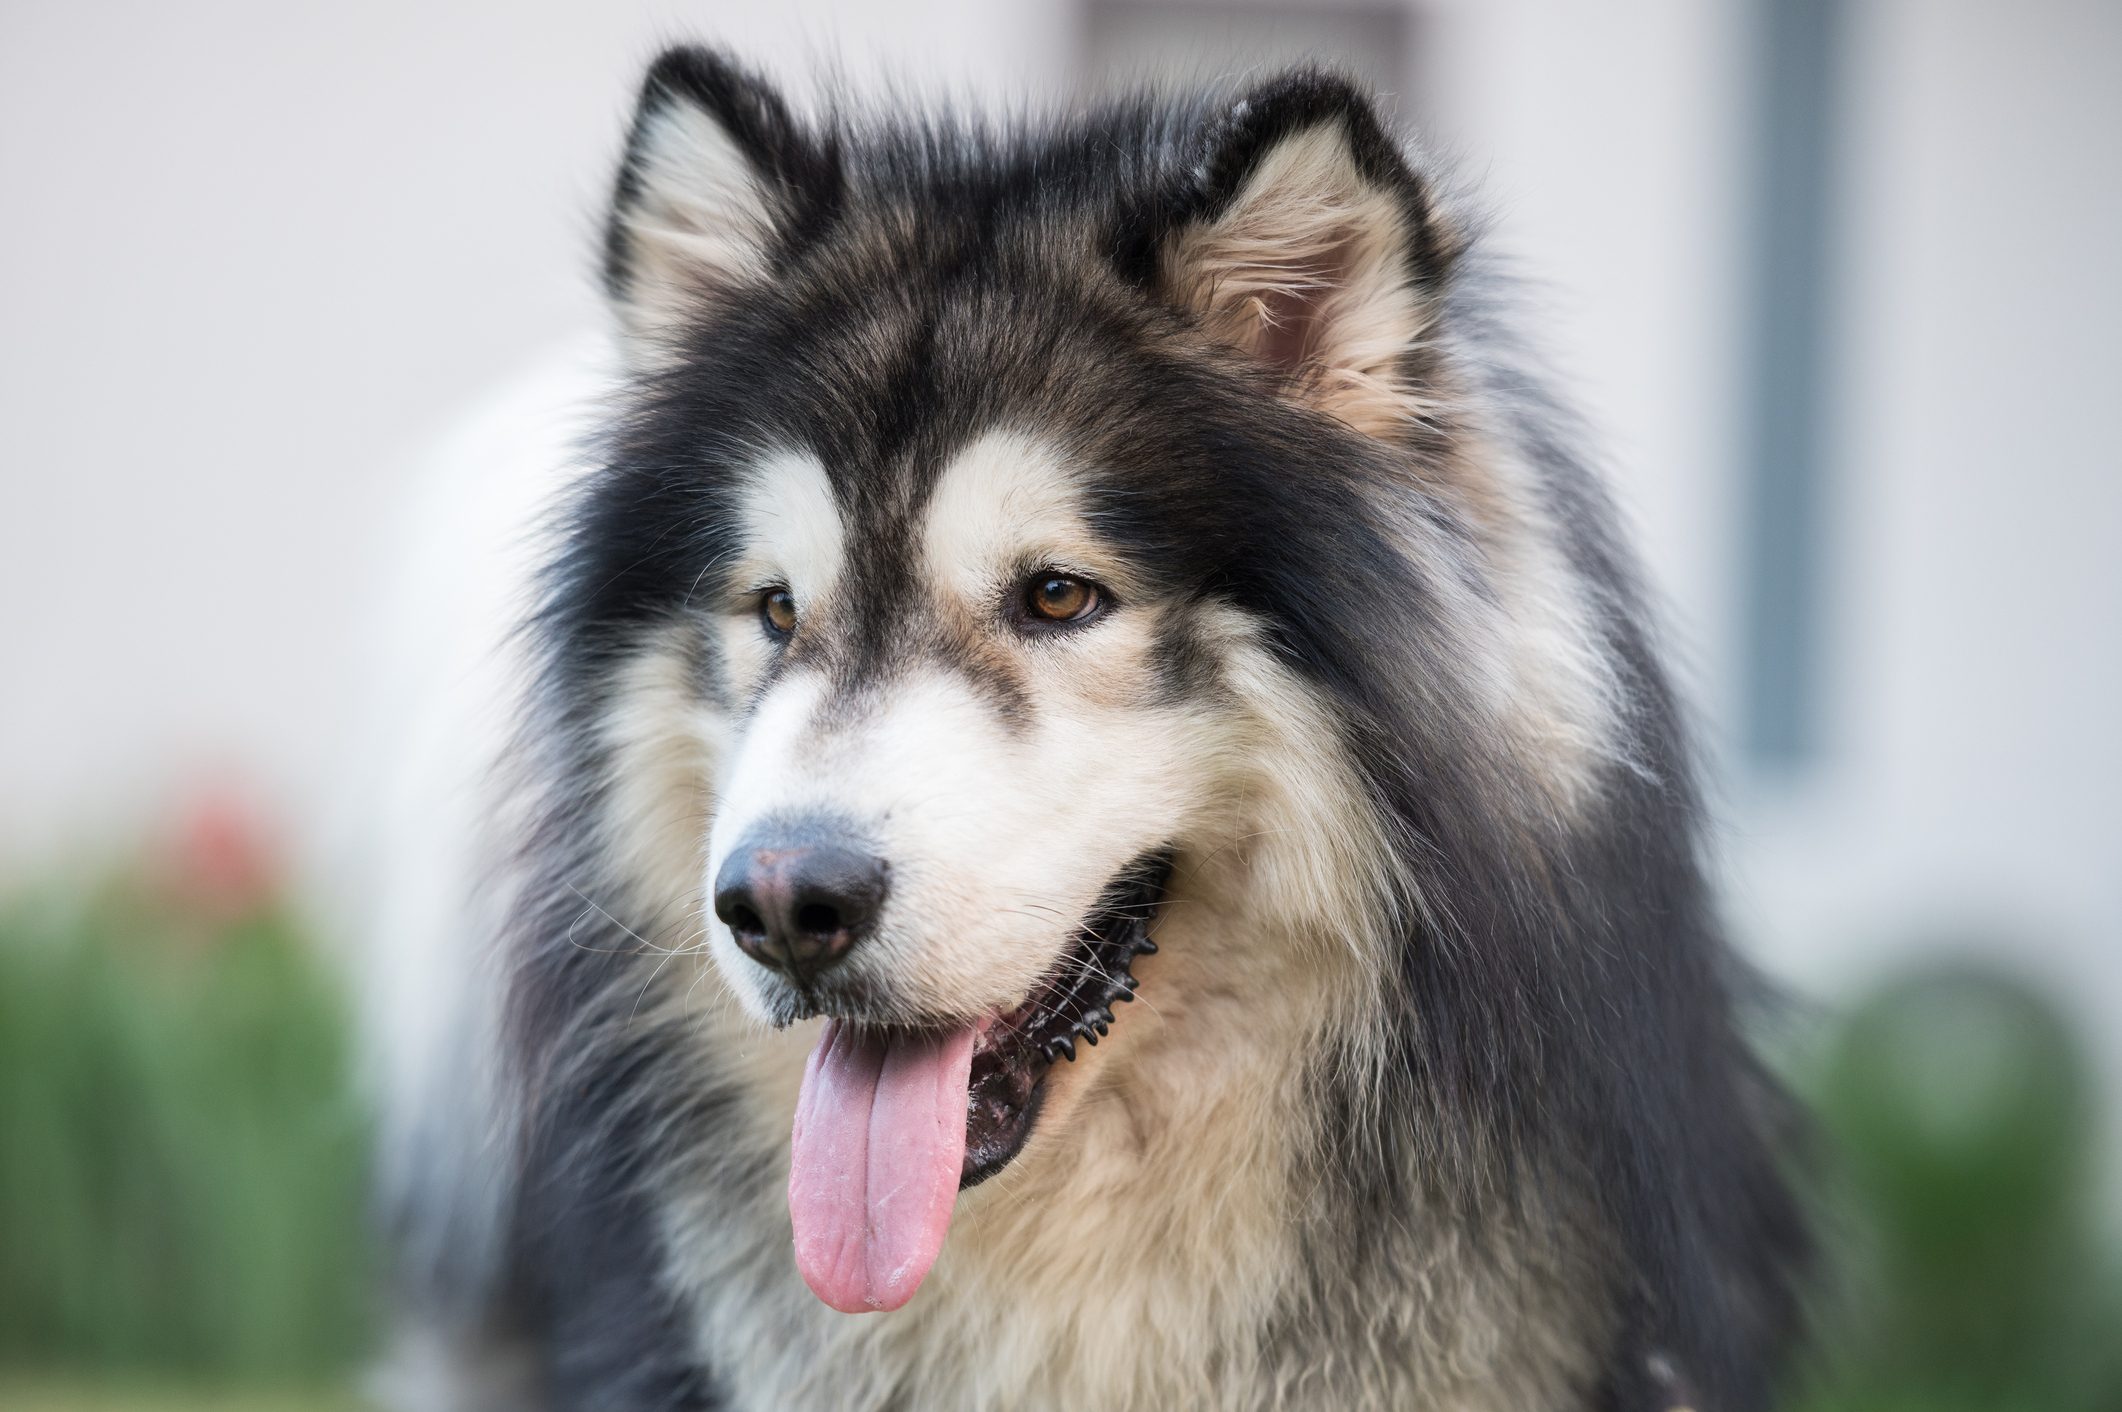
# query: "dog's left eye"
[777,611]
[1061,598]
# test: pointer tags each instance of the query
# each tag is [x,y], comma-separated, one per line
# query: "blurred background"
[1837,280]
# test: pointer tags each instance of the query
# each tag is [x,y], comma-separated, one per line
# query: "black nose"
[798,898]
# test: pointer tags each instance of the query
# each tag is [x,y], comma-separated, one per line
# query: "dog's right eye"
[1049,599]
[777,612]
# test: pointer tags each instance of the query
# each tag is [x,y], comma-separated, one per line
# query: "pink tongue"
[879,1142]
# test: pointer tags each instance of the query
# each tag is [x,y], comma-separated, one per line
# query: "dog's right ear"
[718,177]
[1305,241]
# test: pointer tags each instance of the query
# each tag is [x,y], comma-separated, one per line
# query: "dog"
[1044,783]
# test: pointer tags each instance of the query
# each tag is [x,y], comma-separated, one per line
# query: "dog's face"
[987,509]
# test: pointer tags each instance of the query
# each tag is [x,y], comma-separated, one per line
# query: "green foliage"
[182,1167]
[1963,1240]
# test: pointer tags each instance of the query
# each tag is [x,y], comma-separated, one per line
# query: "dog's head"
[1020,519]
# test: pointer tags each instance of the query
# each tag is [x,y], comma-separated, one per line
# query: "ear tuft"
[718,176]
[1312,247]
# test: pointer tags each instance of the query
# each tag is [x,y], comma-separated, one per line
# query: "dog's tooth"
[1144,946]
[1090,1036]
[1065,1045]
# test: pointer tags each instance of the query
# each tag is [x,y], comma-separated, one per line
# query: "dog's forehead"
[1008,500]
[892,358]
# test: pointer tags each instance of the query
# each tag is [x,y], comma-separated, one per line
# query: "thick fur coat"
[1433,1095]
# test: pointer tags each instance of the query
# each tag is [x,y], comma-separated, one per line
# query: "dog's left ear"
[719,179]
[1310,245]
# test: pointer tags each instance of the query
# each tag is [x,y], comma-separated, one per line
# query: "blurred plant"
[1961,1227]
[182,1165]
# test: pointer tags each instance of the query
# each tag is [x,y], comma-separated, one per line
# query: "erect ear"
[718,178]
[1310,245]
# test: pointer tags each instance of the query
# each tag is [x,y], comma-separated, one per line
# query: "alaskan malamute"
[1048,788]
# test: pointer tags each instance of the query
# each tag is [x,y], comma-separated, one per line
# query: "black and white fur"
[1434,1097]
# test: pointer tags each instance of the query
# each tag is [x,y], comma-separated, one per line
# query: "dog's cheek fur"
[665,741]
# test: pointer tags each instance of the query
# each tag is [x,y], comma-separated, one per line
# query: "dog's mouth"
[1074,1004]
[893,1122]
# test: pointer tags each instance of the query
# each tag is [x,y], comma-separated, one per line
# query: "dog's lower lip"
[1014,1052]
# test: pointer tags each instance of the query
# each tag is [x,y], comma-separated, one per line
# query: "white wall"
[1973,779]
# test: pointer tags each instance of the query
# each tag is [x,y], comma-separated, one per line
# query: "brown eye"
[777,609]
[1058,598]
